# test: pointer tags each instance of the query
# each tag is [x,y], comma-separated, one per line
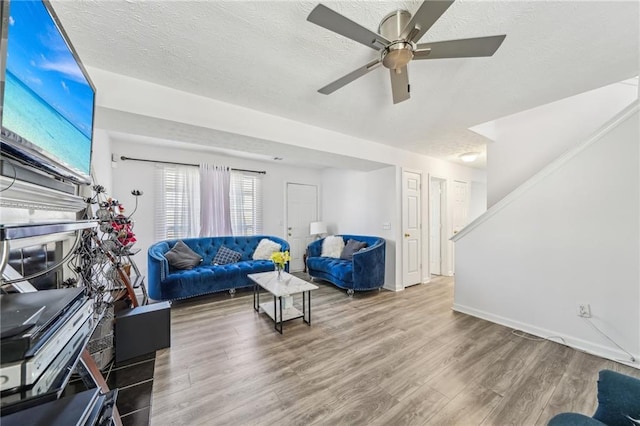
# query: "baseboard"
[613,354]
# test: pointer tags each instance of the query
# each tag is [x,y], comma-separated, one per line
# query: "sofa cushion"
[350,248]
[225,256]
[182,257]
[332,246]
[341,269]
[265,248]
[212,278]
[236,271]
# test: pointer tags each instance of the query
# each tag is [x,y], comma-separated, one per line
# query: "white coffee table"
[281,290]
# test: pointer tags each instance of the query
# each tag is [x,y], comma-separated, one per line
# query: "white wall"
[101,159]
[138,175]
[478,199]
[363,203]
[527,141]
[570,235]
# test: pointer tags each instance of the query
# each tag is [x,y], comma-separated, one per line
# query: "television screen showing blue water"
[47,100]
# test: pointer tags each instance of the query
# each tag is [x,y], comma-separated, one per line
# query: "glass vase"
[279,269]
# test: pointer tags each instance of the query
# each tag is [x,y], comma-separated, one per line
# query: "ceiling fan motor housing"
[399,52]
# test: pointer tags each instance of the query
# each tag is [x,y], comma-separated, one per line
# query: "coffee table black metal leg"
[306,308]
[281,319]
[256,297]
[275,313]
[277,306]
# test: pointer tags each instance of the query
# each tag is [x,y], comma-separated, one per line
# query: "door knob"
[289,228]
[289,233]
[407,235]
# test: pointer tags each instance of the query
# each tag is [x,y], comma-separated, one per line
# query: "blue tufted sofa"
[364,272]
[168,283]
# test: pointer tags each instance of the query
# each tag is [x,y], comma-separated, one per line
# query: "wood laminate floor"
[379,358]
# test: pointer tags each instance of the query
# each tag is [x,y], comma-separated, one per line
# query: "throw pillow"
[225,256]
[265,248]
[332,246]
[352,247]
[182,257]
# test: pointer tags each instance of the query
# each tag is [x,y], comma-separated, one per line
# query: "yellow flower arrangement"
[280,258]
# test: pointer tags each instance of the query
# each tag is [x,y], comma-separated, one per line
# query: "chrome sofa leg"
[350,292]
[232,291]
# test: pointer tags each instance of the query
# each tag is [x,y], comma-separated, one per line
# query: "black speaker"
[142,330]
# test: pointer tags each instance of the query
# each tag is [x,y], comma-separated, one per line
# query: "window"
[246,203]
[178,202]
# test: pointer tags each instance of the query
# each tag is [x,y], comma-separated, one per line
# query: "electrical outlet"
[584,310]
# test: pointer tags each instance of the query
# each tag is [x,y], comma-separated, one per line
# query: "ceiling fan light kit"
[399,52]
[396,40]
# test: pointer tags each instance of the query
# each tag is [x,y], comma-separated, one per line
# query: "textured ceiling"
[265,55]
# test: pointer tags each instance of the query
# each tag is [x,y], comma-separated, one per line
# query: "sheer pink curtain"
[215,211]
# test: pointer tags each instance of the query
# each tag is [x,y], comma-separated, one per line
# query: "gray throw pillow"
[182,257]
[226,256]
[352,247]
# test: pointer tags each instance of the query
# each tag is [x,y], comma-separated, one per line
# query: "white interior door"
[411,229]
[302,209]
[460,210]
[436,192]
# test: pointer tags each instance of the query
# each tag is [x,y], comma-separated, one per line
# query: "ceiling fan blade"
[343,81]
[400,85]
[426,15]
[323,16]
[463,48]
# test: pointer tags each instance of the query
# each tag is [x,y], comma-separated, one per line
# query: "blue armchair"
[364,272]
[618,403]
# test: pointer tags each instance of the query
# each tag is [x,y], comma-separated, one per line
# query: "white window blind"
[177,212]
[246,203]
[178,202]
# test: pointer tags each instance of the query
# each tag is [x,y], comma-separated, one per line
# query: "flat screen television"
[48,98]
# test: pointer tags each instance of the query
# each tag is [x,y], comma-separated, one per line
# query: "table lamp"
[317,229]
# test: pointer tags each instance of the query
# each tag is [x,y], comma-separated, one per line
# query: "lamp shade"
[316,228]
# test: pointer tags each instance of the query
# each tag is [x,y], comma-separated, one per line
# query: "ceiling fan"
[396,41]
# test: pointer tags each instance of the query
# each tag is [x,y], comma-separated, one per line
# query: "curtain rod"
[262,172]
